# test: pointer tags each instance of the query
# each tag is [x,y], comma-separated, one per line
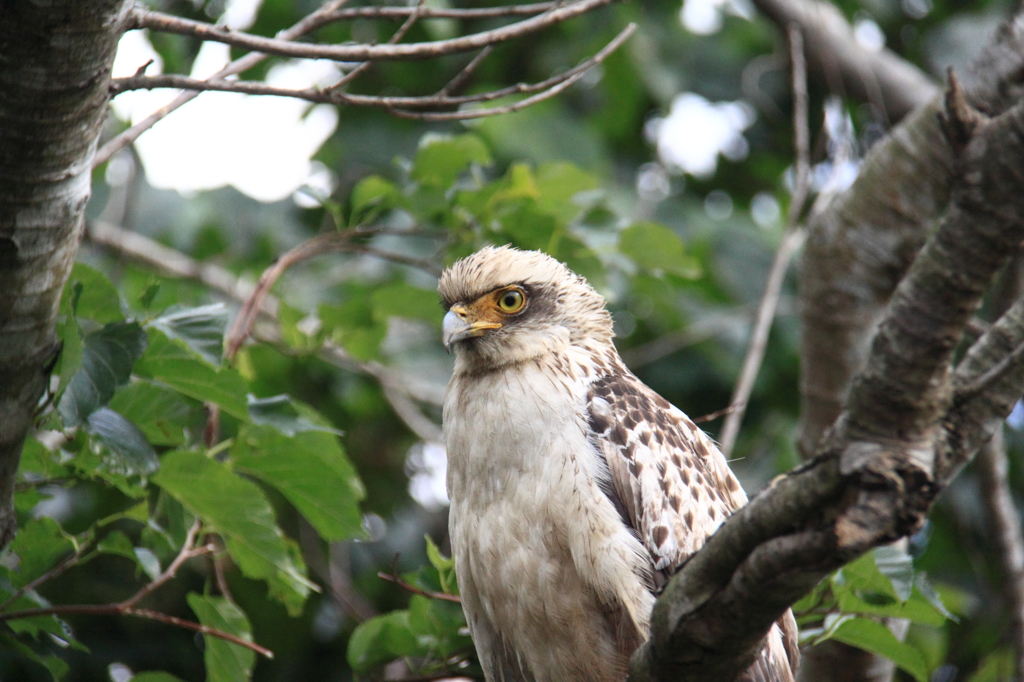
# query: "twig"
[324,243]
[120,610]
[398,35]
[127,607]
[997,500]
[391,578]
[173,263]
[715,415]
[69,561]
[305,25]
[188,550]
[361,52]
[399,106]
[790,242]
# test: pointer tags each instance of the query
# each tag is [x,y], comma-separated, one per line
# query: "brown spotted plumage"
[576,490]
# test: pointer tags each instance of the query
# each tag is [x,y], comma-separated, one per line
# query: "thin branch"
[440,13]
[711,416]
[319,245]
[127,606]
[883,78]
[120,610]
[398,35]
[360,52]
[304,26]
[791,241]
[399,106]
[1001,513]
[391,578]
[68,562]
[879,470]
[173,263]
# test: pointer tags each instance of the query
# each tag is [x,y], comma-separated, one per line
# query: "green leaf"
[404,300]
[175,365]
[118,544]
[436,624]
[148,562]
[925,588]
[51,664]
[441,158]
[160,413]
[529,228]
[39,545]
[97,299]
[997,666]
[107,359]
[381,639]
[129,452]
[445,567]
[874,637]
[559,183]
[70,335]
[654,247]
[281,412]
[371,196]
[155,676]
[201,329]
[310,469]
[354,326]
[149,293]
[896,564]
[238,510]
[225,661]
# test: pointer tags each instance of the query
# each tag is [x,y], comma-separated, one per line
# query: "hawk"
[575,489]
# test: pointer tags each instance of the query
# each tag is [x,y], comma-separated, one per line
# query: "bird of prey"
[575,489]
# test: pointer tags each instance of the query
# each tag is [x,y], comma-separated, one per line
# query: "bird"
[575,490]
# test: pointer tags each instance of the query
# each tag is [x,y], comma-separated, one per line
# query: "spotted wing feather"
[668,477]
[673,487]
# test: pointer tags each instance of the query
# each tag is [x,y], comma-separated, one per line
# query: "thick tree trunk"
[55,60]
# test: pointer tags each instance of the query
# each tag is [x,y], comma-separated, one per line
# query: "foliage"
[301,484]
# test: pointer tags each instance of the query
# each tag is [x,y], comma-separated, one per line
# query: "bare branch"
[862,243]
[790,243]
[304,26]
[360,52]
[878,471]
[127,607]
[397,105]
[393,578]
[882,78]
[1001,514]
[119,610]
[188,551]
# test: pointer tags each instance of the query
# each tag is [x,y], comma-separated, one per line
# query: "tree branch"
[791,241]
[48,131]
[305,25]
[558,13]
[399,106]
[883,78]
[874,477]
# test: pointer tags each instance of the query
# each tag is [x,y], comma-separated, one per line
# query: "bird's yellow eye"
[511,301]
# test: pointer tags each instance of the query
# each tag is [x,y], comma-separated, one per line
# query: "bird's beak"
[459,324]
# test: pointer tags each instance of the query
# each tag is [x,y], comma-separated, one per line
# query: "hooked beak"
[457,326]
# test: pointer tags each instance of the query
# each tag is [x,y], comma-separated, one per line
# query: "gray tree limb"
[55,62]
[834,56]
[883,462]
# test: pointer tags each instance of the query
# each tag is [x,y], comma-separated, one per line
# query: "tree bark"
[55,61]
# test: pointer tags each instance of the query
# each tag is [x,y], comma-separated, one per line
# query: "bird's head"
[507,306]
